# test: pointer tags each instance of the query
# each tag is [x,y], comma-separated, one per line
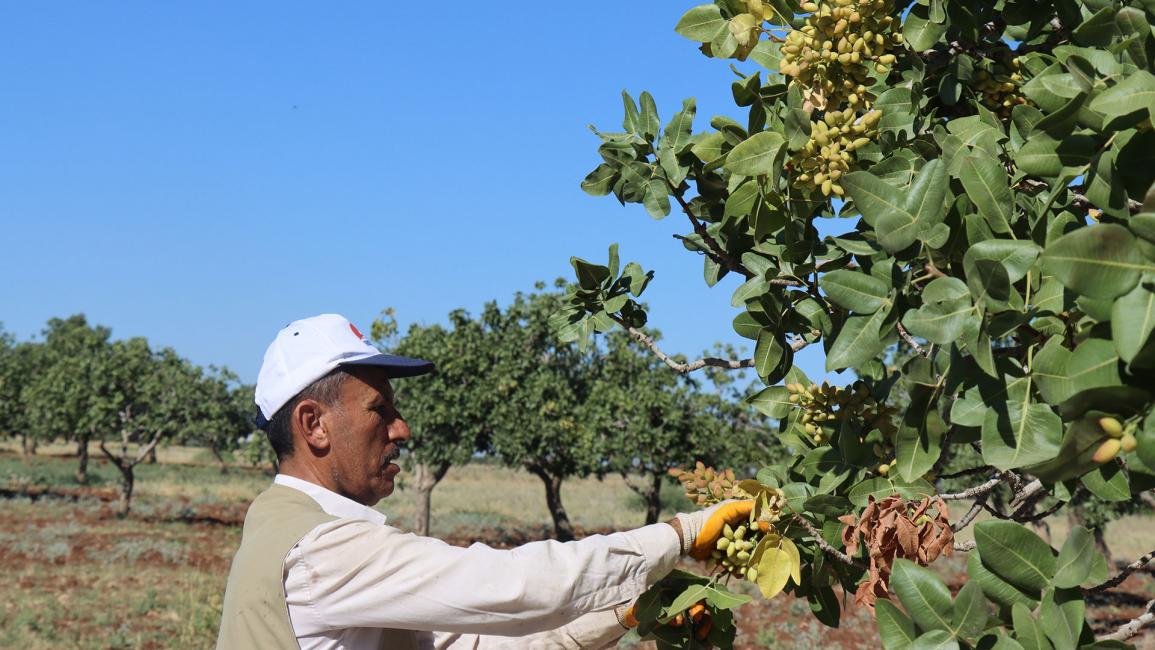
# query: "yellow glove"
[702,529]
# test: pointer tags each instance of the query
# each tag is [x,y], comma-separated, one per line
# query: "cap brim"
[395,366]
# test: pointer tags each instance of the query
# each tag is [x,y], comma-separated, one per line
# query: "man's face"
[364,431]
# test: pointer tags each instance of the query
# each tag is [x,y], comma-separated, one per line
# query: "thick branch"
[1132,628]
[965,547]
[827,548]
[1127,570]
[728,364]
[714,250]
[976,508]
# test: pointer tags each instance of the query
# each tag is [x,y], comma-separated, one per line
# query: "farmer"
[318,567]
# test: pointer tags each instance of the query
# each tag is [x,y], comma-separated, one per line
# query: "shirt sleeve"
[593,631]
[352,573]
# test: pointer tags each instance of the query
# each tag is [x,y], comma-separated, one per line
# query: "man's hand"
[700,530]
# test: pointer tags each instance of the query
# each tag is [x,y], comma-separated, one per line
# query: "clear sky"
[202,173]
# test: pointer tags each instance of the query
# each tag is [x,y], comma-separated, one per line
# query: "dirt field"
[80,577]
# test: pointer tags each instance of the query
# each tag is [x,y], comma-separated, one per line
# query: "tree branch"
[683,368]
[827,548]
[1132,628]
[978,490]
[910,341]
[1127,571]
[714,250]
[965,547]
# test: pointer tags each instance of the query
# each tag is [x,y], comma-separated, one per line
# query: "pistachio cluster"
[1119,439]
[704,485]
[829,153]
[832,54]
[999,86]
[735,548]
[824,406]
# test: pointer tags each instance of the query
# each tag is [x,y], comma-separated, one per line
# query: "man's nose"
[398,429]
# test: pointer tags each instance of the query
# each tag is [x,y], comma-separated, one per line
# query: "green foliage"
[988,169]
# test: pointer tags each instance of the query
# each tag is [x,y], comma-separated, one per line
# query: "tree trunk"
[427,478]
[563,530]
[152,456]
[220,458]
[653,497]
[127,480]
[27,445]
[82,456]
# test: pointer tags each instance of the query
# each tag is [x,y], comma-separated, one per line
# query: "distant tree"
[19,364]
[447,411]
[542,388]
[224,414]
[155,397]
[70,397]
[646,418]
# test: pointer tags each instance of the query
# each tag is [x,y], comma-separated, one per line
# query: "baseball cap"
[308,349]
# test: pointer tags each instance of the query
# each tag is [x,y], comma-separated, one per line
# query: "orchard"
[955,200]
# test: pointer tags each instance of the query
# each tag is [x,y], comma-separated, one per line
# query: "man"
[318,568]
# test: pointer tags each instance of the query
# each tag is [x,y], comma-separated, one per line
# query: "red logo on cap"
[356,331]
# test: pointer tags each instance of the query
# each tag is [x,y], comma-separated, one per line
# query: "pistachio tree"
[448,410]
[650,421]
[542,387]
[975,180]
[70,396]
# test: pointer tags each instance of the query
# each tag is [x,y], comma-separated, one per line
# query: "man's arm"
[351,573]
[593,631]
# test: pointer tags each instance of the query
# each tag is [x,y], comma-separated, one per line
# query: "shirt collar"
[331,502]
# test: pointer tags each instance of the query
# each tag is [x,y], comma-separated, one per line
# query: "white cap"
[310,348]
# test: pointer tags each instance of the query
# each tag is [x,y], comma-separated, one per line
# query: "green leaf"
[1062,614]
[986,184]
[600,180]
[924,596]
[590,276]
[1135,93]
[768,353]
[756,155]
[702,23]
[918,442]
[969,614]
[894,627]
[935,640]
[1099,261]
[678,131]
[1132,320]
[919,31]
[941,323]
[995,588]
[648,122]
[945,289]
[1028,630]
[656,198]
[855,291]
[1015,554]
[1020,434]
[902,216]
[1108,482]
[1075,559]
[858,342]
[772,401]
[1017,256]
[1061,373]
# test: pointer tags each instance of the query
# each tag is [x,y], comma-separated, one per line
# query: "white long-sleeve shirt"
[348,578]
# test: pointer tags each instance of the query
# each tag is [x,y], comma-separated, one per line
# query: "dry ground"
[77,576]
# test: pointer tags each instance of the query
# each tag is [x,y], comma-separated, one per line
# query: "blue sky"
[203,173]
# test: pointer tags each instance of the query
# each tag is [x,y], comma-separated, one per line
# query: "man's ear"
[307,423]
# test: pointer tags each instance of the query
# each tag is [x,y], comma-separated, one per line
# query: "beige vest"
[255,614]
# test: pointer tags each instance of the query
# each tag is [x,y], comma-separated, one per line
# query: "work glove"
[701,530]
